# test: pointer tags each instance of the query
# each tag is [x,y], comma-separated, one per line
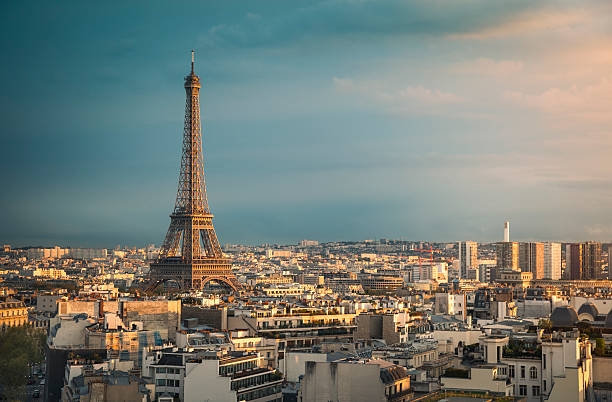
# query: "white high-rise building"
[468,258]
[552,261]
[506,231]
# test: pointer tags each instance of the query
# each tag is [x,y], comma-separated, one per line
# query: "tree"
[600,347]
[19,348]
[545,324]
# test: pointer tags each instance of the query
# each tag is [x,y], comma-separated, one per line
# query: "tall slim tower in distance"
[191,254]
[507,254]
[552,261]
[531,258]
[468,258]
[506,231]
[573,261]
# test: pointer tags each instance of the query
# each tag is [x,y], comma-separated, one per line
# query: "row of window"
[533,372]
[535,390]
[259,393]
[168,370]
[168,383]
[12,313]
[390,391]
[251,381]
[235,368]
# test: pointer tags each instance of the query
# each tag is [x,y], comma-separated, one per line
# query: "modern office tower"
[507,255]
[506,231]
[591,260]
[609,260]
[468,257]
[573,261]
[583,260]
[531,258]
[191,254]
[552,261]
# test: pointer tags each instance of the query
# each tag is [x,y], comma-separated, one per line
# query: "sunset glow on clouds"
[328,120]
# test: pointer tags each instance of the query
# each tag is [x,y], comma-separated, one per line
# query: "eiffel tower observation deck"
[191,255]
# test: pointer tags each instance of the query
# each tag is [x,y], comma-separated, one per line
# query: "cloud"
[589,102]
[529,22]
[485,66]
[410,99]
[368,20]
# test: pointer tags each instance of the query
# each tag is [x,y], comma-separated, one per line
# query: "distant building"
[573,261]
[507,255]
[514,278]
[468,258]
[47,303]
[13,313]
[583,261]
[381,283]
[453,304]
[50,273]
[485,269]
[309,243]
[485,379]
[552,261]
[592,261]
[391,327]
[270,253]
[609,260]
[58,252]
[531,258]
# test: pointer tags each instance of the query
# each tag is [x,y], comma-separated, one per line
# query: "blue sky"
[331,120]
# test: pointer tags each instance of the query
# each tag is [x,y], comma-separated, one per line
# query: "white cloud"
[530,22]
[589,102]
[411,98]
[486,66]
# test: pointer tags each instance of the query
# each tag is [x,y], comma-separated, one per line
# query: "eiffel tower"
[191,254]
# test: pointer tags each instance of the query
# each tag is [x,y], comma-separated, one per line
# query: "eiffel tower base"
[195,275]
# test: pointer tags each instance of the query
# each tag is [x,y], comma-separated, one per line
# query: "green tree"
[19,348]
[600,347]
[545,324]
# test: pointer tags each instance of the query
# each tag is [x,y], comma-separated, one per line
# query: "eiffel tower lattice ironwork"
[191,254]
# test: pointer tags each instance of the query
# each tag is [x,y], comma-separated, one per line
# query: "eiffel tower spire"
[191,253]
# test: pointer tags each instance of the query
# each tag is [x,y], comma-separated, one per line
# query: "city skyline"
[318,124]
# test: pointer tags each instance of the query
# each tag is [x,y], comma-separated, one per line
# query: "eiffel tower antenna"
[191,254]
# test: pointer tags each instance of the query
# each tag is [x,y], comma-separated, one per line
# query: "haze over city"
[339,120]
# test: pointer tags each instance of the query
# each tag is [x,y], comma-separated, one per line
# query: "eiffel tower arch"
[191,254]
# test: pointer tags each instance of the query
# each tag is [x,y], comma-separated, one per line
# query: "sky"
[327,120]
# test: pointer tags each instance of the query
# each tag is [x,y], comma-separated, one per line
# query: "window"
[522,390]
[535,390]
[161,383]
[544,361]
[511,371]
[533,373]
[161,369]
[522,371]
[544,385]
